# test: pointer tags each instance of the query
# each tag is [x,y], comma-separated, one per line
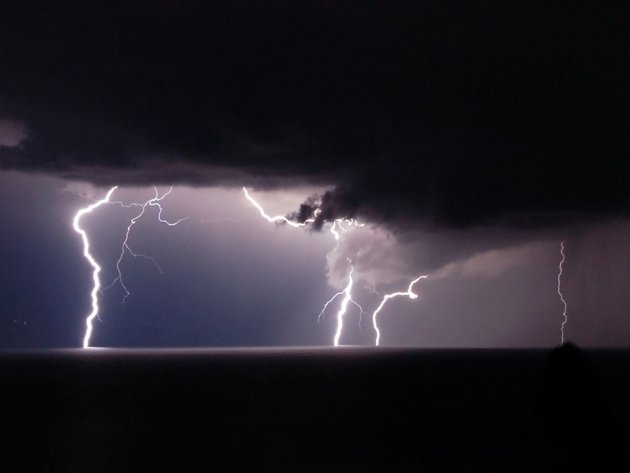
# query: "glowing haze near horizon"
[233,279]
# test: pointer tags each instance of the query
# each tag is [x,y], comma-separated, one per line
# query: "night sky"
[471,139]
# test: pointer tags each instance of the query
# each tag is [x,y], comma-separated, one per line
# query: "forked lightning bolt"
[409,293]
[347,297]
[336,229]
[125,248]
[155,202]
[361,313]
[337,223]
[92,261]
[347,293]
[565,318]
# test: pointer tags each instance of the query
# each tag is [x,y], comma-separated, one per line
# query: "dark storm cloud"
[447,112]
[11,133]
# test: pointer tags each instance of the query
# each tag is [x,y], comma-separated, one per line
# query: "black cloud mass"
[448,113]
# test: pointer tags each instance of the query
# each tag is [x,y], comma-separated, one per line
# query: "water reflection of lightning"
[565,318]
[409,293]
[88,256]
[125,248]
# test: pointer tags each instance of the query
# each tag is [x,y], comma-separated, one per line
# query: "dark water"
[312,410]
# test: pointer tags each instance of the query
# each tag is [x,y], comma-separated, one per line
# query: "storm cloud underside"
[435,112]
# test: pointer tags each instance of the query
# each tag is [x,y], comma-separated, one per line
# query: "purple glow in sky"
[267,184]
[469,141]
[230,278]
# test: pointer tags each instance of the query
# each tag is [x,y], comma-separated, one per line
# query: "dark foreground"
[314,410]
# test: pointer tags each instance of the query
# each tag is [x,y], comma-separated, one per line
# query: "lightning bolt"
[347,292]
[409,293]
[282,219]
[125,248]
[277,218]
[564,303]
[95,266]
[362,311]
[321,314]
[336,229]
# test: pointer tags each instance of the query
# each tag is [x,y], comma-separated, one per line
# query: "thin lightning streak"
[409,293]
[361,313]
[155,202]
[361,309]
[92,261]
[321,314]
[564,303]
[125,248]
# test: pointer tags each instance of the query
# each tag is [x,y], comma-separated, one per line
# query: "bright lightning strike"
[154,202]
[564,302]
[340,293]
[277,218]
[337,223]
[409,293]
[336,229]
[92,261]
[344,307]
[362,311]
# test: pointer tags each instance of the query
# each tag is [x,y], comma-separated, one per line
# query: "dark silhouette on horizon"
[577,417]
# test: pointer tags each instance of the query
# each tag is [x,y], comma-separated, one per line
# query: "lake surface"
[310,410]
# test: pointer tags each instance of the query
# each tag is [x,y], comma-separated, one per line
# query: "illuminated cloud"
[493,263]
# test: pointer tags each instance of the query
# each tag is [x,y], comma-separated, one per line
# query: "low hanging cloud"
[493,263]
[381,257]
